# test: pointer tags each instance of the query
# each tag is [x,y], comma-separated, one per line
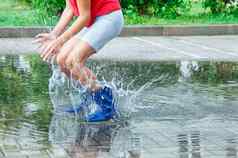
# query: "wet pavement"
[179,109]
[202,48]
[210,137]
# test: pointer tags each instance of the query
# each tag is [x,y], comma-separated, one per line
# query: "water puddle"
[172,109]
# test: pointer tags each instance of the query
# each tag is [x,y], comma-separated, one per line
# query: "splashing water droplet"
[68,93]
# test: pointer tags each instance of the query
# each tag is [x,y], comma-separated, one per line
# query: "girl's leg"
[63,54]
[76,61]
[94,38]
[69,53]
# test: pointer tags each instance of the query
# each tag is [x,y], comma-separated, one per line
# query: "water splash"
[66,92]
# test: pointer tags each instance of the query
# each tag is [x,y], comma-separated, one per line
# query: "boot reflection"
[93,140]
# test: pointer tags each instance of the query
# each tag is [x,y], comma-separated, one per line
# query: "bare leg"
[64,52]
[76,52]
[77,58]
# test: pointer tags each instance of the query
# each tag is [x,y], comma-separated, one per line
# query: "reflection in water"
[207,97]
[189,145]
[183,144]
[94,140]
[231,148]
[195,139]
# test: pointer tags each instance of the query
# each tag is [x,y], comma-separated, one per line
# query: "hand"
[44,37]
[70,61]
[50,48]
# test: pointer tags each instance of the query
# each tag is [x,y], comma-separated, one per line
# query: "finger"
[42,35]
[46,48]
[39,40]
[43,47]
[44,51]
[46,56]
[48,53]
[49,58]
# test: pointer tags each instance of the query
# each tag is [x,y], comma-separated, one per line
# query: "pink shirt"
[98,8]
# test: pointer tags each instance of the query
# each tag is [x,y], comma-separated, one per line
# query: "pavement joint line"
[169,48]
[207,47]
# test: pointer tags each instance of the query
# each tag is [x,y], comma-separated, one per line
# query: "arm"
[65,18]
[81,21]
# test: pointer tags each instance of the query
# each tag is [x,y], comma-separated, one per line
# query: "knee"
[73,62]
[60,59]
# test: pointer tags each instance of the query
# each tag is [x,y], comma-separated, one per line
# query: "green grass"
[201,19]
[14,13]
[196,16]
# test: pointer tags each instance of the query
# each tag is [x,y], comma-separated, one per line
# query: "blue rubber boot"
[105,109]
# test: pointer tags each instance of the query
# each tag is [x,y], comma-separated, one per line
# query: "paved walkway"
[211,137]
[202,48]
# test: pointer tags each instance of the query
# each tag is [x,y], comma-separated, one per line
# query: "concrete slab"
[204,48]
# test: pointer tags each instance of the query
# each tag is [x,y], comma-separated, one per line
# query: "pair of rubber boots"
[104,105]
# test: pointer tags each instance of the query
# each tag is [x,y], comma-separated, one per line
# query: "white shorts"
[104,29]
